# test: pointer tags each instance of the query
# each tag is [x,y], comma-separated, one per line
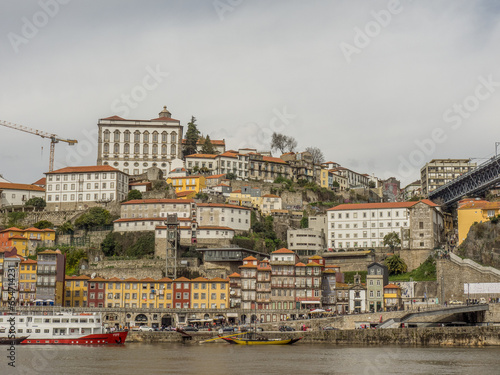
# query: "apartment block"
[439,172]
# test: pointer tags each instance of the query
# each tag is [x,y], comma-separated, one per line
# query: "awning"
[201,320]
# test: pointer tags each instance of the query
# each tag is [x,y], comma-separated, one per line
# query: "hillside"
[482,244]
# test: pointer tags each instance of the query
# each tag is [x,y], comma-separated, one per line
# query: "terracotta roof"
[208,227]
[250,258]
[270,196]
[18,238]
[165,280]
[81,277]
[11,186]
[29,261]
[283,251]
[228,154]
[237,191]
[364,206]
[133,279]
[200,279]
[147,279]
[114,279]
[12,229]
[202,156]
[178,170]
[162,119]
[85,169]
[480,205]
[273,160]
[222,205]
[218,279]
[215,176]
[300,264]
[182,279]
[226,185]
[234,274]
[98,278]
[391,286]
[313,264]
[114,118]
[156,201]
[41,181]
[4,249]
[249,265]
[215,142]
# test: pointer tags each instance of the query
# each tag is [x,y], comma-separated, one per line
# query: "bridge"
[472,183]
[441,311]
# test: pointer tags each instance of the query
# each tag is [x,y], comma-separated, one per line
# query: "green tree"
[304,222]
[192,136]
[15,218]
[231,176]
[392,240]
[208,147]
[66,228]
[396,265]
[109,246]
[371,184]
[95,217]
[335,184]
[37,202]
[43,224]
[134,194]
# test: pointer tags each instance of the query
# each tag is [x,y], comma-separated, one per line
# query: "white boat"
[59,328]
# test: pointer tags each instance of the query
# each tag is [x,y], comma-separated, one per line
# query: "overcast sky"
[380,86]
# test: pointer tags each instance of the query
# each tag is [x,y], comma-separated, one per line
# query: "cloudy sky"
[380,86]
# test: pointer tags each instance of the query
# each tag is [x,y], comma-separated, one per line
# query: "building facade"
[132,146]
[12,195]
[439,172]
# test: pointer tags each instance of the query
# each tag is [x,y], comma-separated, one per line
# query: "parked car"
[286,328]
[145,329]
[190,328]
[229,329]
[482,301]
[456,302]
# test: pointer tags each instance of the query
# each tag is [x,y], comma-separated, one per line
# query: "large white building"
[224,215]
[18,194]
[132,146]
[363,225]
[78,188]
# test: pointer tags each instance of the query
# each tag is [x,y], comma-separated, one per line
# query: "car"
[190,329]
[286,328]
[145,329]
[482,301]
[229,329]
[456,302]
[329,328]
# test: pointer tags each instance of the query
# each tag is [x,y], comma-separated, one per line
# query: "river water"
[222,359]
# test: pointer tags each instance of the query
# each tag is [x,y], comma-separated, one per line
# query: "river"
[222,359]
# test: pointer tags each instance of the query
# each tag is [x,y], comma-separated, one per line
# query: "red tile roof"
[41,181]
[391,286]
[270,196]
[156,201]
[364,206]
[114,118]
[29,261]
[228,154]
[283,251]
[215,142]
[273,160]
[250,258]
[11,186]
[215,176]
[85,169]
[222,205]
[162,119]
[12,229]
[479,205]
[234,274]
[218,279]
[182,279]
[17,238]
[202,156]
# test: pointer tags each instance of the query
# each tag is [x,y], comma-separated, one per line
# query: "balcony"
[45,272]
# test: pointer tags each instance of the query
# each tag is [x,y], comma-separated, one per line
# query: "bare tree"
[317,155]
[283,143]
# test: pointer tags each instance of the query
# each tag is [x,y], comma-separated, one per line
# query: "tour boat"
[258,340]
[59,328]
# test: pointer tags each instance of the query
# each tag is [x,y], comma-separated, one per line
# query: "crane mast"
[53,138]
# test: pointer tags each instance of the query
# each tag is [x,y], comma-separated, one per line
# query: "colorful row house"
[26,241]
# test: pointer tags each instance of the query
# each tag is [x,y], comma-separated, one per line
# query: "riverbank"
[439,336]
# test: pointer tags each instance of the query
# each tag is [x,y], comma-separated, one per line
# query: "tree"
[371,184]
[396,265]
[392,240]
[95,217]
[66,228]
[134,194]
[15,218]
[208,147]
[317,155]
[192,136]
[283,143]
[43,224]
[109,246]
[231,176]
[37,202]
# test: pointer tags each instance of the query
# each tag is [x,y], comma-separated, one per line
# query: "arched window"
[155,149]
[136,148]
[173,137]
[126,136]
[155,136]
[164,137]
[163,149]
[145,149]
[126,148]
[106,148]
[117,136]
[172,150]
[106,135]
[117,148]
[137,136]
[145,136]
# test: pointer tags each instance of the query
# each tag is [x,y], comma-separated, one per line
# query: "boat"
[12,341]
[258,340]
[59,328]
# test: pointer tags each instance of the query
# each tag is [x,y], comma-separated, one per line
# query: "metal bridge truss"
[472,183]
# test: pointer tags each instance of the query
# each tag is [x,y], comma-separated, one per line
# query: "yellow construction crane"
[53,138]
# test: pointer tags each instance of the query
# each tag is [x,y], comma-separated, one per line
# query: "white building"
[77,188]
[235,163]
[363,225]
[158,208]
[18,194]
[353,178]
[224,215]
[132,146]
[270,202]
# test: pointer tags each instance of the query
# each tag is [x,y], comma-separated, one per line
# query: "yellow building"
[39,237]
[14,237]
[27,282]
[324,178]
[200,293]
[76,291]
[144,293]
[219,293]
[392,297]
[472,211]
[187,183]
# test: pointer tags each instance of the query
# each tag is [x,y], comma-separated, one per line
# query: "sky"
[381,87]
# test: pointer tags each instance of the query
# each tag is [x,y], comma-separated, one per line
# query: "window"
[421,225]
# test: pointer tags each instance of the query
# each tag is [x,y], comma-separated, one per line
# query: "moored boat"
[60,328]
[12,341]
[259,340]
